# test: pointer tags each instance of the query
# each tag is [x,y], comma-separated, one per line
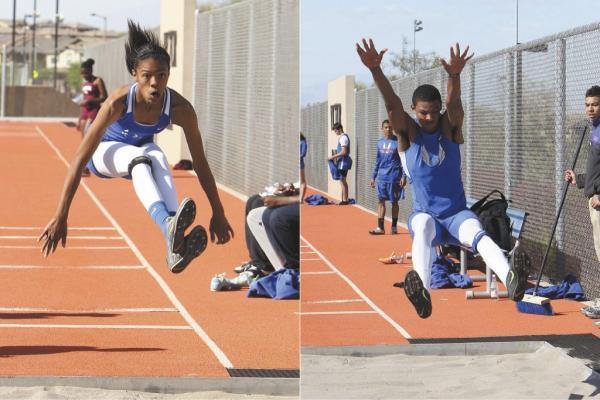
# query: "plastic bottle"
[494,288]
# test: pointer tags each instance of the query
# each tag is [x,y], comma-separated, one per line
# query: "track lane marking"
[212,345]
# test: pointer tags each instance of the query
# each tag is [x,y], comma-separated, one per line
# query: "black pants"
[283,229]
[257,255]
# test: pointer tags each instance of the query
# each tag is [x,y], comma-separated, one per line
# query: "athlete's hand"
[372,183]
[457,61]
[220,228]
[595,203]
[403,181]
[571,177]
[369,56]
[54,232]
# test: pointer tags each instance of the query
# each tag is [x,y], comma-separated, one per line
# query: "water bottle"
[494,288]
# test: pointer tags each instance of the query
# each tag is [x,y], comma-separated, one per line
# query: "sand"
[547,373]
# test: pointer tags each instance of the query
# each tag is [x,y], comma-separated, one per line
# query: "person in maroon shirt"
[94,93]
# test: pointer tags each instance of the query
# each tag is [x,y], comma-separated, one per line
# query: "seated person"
[276,228]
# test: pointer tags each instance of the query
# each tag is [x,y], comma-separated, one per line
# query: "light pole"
[33,55]
[104,18]
[416,28]
[56,22]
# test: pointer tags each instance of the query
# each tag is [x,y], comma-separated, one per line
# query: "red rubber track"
[68,315]
[340,235]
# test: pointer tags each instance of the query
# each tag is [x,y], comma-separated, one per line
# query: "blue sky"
[330,29]
[146,12]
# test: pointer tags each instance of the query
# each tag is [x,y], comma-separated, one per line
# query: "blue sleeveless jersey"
[387,164]
[127,130]
[432,163]
[344,161]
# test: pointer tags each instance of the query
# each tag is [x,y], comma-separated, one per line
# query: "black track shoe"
[417,294]
[516,280]
[195,244]
[186,213]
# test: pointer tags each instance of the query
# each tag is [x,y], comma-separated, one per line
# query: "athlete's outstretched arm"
[184,115]
[371,58]
[56,230]
[454,108]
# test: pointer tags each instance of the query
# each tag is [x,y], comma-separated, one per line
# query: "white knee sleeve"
[423,253]
[161,171]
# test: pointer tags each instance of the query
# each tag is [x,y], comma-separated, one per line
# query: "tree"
[402,63]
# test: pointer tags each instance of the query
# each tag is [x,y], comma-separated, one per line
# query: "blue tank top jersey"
[344,161]
[127,130]
[388,167]
[432,164]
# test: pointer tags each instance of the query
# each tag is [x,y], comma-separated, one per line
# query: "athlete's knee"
[423,224]
[139,160]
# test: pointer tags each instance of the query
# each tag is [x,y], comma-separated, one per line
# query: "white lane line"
[71,247]
[106,310]
[83,326]
[317,272]
[124,267]
[394,324]
[40,228]
[336,312]
[161,282]
[71,237]
[307,252]
[303,245]
[310,259]
[333,301]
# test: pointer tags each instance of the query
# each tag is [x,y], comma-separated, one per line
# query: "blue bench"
[517,223]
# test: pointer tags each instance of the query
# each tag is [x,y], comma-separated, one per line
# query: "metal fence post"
[560,79]
[509,64]
[469,127]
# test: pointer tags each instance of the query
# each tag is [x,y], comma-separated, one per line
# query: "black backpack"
[495,220]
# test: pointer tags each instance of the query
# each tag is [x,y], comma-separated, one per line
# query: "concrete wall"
[178,16]
[38,101]
[341,91]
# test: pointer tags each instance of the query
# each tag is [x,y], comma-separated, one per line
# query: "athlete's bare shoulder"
[179,103]
[116,100]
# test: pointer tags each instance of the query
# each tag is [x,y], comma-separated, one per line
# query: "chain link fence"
[314,128]
[246,86]
[524,111]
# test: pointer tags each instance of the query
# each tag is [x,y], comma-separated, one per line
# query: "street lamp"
[104,18]
[416,28]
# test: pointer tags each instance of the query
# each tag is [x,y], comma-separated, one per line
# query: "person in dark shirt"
[590,181]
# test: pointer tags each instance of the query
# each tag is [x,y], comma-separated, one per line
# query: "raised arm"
[184,115]
[400,120]
[56,230]
[454,110]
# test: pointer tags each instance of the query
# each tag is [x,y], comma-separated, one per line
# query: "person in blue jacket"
[120,144]
[430,154]
[390,179]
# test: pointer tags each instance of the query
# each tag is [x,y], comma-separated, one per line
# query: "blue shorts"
[446,229]
[390,191]
[336,174]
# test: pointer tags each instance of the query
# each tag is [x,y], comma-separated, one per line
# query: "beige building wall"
[341,91]
[178,16]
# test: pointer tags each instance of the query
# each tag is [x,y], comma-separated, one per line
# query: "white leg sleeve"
[255,224]
[112,159]
[489,250]
[423,253]
[161,171]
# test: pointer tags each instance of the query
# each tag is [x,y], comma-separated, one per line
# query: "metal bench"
[517,222]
